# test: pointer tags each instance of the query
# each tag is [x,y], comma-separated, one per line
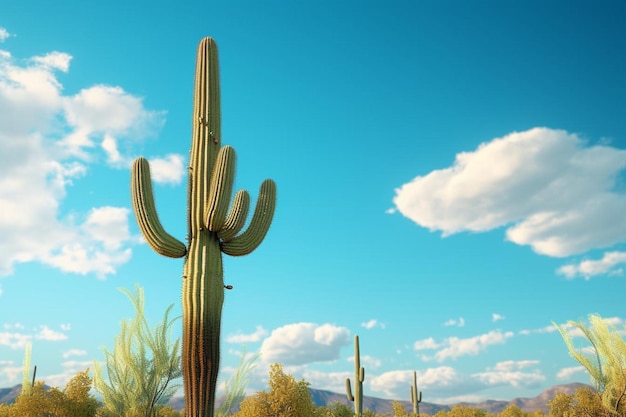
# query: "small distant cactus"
[359,377]
[213,227]
[416,396]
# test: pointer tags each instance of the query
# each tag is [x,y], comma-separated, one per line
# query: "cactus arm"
[145,211]
[236,217]
[221,189]
[349,390]
[246,242]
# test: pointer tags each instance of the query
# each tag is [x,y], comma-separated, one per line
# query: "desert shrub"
[285,398]
[141,366]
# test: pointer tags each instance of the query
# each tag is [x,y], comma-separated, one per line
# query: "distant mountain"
[379,405]
[8,395]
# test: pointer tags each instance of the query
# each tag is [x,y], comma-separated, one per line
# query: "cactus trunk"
[202,298]
[416,396]
[359,377]
[212,229]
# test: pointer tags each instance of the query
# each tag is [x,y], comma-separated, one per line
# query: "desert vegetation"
[144,363]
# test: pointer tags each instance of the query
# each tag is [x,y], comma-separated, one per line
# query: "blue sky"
[450,182]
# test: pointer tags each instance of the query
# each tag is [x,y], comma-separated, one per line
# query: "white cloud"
[456,347]
[426,344]
[74,352]
[587,269]
[14,340]
[370,324]
[508,366]
[259,334]
[11,372]
[547,329]
[301,343]
[45,333]
[98,245]
[497,317]
[100,110]
[454,322]
[566,373]
[4,34]
[168,170]
[46,143]
[394,384]
[54,60]
[446,385]
[557,194]
[514,378]
[367,361]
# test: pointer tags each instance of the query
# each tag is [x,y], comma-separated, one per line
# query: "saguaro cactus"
[212,229]
[359,377]
[416,396]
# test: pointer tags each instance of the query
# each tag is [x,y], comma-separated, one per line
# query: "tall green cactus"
[359,377]
[416,396]
[212,229]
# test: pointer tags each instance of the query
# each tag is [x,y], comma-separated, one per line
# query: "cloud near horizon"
[551,191]
[48,141]
[303,343]
[454,347]
[587,269]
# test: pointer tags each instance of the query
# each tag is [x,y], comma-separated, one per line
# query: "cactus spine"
[212,229]
[416,396]
[359,377]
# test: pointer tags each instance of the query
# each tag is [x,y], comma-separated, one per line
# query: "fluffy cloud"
[510,373]
[454,347]
[259,334]
[442,380]
[167,170]
[10,371]
[566,373]
[554,192]
[426,344]
[14,340]
[48,141]
[587,269]
[45,333]
[301,343]
[3,34]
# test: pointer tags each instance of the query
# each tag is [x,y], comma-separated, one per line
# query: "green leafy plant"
[235,386]
[211,229]
[605,364]
[359,377]
[141,366]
